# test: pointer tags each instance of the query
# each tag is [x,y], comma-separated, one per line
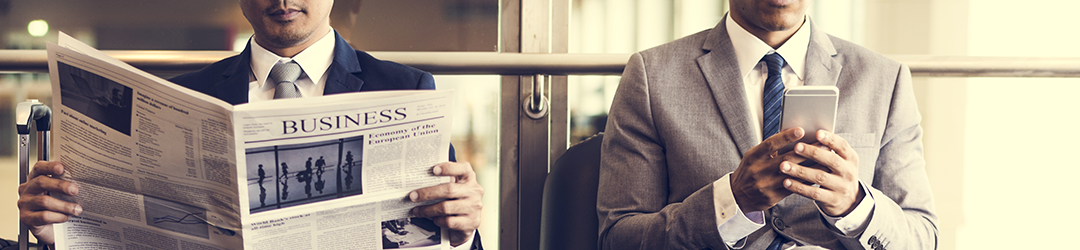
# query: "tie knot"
[285,72]
[284,76]
[774,62]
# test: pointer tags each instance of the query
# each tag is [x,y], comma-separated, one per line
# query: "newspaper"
[160,166]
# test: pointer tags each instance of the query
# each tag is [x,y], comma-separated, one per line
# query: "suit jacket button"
[873,240]
[779,223]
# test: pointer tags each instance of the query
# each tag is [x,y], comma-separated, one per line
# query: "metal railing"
[558,64]
[533,143]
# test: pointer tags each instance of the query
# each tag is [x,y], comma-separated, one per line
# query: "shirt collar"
[749,49]
[314,60]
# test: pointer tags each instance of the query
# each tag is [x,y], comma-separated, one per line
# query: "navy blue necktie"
[773,96]
[777,243]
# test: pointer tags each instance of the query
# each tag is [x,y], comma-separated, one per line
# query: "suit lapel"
[341,76]
[721,71]
[234,86]
[822,68]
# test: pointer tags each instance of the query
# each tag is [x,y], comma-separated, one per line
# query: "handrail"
[559,64]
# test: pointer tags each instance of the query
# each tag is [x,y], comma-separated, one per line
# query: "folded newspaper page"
[160,166]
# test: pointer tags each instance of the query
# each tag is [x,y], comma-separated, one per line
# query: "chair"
[568,217]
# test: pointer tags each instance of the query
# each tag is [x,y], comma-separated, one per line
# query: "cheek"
[324,11]
[250,7]
[251,12]
[795,17]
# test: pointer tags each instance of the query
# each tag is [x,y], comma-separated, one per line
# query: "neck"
[773,38]
[292,50]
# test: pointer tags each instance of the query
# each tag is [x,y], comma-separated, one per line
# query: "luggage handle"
[28,113]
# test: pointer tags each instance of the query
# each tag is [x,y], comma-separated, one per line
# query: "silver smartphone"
[811,107]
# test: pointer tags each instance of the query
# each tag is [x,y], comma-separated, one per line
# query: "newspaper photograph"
[160,166]
[328,170]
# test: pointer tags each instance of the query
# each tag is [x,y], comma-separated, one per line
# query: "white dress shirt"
[315,61]
[734,225]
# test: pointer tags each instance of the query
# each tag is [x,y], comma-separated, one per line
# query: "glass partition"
[476,139]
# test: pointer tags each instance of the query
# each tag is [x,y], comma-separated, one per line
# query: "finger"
[466,223]
[43,218]
[813,175]
[46,168]
[42,184]
[448,208]
[34,203]
[822,156]
[777,141]
[774,177]
[43,210]
[814,193]
[836,143]
[792,156]
[447,191]
[461,171]
[460,227]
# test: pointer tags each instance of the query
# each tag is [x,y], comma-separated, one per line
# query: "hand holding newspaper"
[160,166]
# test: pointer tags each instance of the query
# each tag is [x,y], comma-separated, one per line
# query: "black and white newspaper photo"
[291,175]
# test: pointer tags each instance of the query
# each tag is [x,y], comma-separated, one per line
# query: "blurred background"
[996,148]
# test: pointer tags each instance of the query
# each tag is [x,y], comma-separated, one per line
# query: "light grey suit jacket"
[680,121]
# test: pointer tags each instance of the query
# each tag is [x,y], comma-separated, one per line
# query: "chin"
[781,24]
[284,39]
[287,36]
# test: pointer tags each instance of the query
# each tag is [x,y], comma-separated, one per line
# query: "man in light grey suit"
[684,165]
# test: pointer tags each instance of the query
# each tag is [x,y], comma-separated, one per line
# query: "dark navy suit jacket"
[351,71]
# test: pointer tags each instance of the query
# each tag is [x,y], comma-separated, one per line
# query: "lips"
[780,2]
[284,15]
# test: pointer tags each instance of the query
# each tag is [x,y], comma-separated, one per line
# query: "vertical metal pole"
[43,146]
[533,132]
[532,170]
[31,114]
[530,142]
[508,164]
[510,42]
[560,108]
[43,155]
[24,161]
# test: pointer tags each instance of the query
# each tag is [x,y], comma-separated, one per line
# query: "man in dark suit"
[690,154]
[294,35]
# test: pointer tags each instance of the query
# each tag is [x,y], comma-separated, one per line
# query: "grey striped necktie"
[285,75]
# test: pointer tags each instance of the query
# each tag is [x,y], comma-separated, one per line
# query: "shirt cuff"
[468,243]
[733,225]
[855,221]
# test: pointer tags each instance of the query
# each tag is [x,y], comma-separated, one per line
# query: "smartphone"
[811,107]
